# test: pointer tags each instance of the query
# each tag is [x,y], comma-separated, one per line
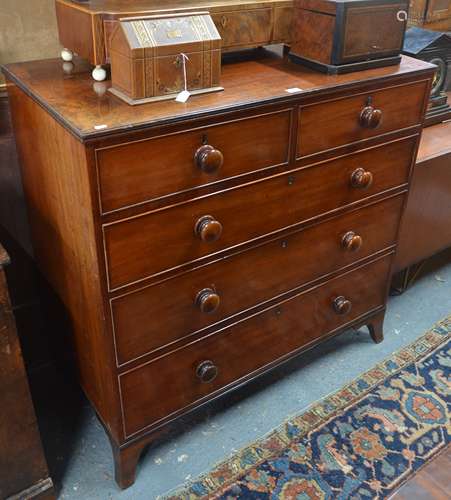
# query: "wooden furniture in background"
[22,462]
[86,28]
[198,245]
[338,36]
[13,216]
[426,228]
[15,236]
[431,14]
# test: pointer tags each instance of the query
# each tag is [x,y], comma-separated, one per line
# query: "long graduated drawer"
[269,336]
[200,298]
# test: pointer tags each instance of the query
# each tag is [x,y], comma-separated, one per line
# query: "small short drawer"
[242,28]
[332,124]
[170,311]
[190,374]
[133,173]
[152,243]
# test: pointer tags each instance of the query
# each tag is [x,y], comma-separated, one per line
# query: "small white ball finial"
[67,55]
[99,74]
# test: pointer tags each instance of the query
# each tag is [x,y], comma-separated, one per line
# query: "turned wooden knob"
[370,117]
[361,178]
[208,300]
[208,159]
[208,229]
[351,241]
[342,305]
[207,371]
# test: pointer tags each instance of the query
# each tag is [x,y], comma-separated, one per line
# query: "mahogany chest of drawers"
[196,246]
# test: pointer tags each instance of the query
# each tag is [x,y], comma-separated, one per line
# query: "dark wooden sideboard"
[199,245]
[426,228]
[24,472]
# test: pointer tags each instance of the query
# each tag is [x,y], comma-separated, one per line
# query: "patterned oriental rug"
[361,443]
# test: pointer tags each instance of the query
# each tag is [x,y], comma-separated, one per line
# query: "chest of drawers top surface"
[259,78]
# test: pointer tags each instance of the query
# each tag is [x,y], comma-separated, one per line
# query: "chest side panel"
[60,202]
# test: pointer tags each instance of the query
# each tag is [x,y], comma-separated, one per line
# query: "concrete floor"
[79,454]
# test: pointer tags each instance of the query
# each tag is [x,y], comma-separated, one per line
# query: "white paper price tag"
[183,96]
